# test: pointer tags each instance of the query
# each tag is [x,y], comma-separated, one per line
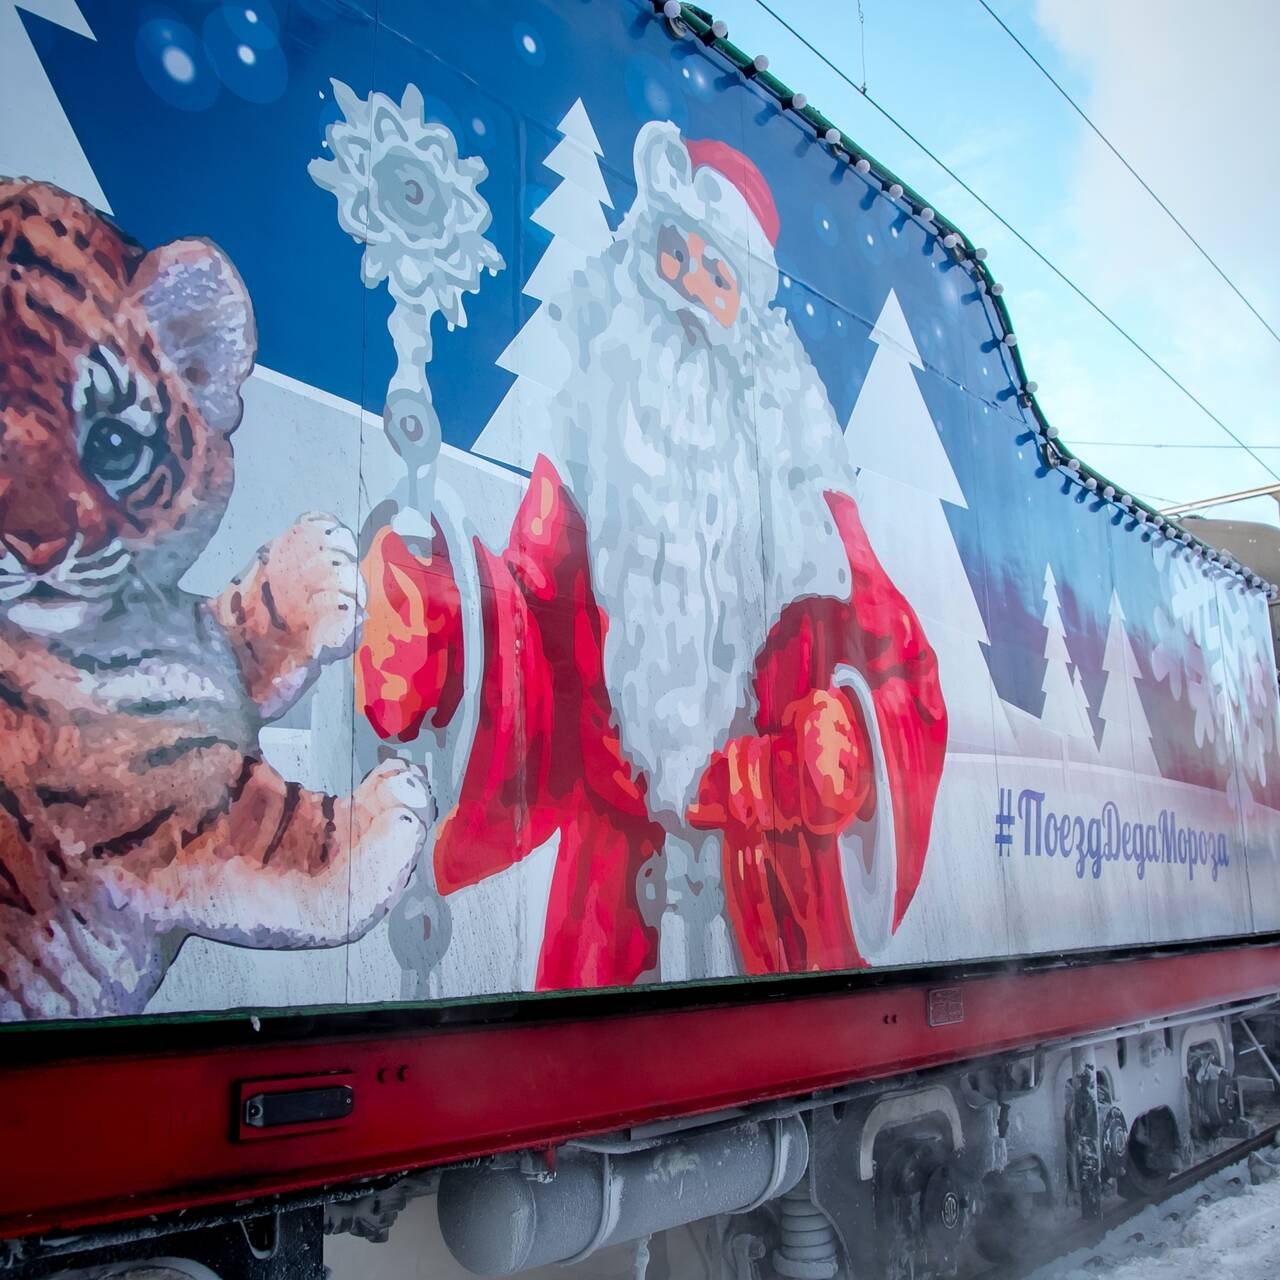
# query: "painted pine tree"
[1082,704]
[905,480]
[36,137]
[1066,708]
[574,215]
[1126,733]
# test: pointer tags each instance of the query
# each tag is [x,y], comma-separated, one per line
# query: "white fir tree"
[905,479]
[1126,733]
[37,139]
[1066,708]
[1082,703]
[574,215]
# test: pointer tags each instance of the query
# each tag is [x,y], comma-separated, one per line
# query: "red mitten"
[409,661]
[815,772]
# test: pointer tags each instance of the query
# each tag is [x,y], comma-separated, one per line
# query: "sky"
[1182,89]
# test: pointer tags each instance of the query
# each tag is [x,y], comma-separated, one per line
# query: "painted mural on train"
[474,520]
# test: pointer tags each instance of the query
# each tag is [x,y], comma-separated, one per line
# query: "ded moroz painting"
[501,506]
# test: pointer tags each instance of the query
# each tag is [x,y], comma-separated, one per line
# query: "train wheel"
[1151,1156]
[1014,1202]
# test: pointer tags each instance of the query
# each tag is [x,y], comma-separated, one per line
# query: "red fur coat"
[546,754]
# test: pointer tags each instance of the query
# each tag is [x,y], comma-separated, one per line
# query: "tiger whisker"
[100,572]
[112,548]
[88,590]
[87,567]
[157,595]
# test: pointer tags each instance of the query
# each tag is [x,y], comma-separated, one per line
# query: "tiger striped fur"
[135,808]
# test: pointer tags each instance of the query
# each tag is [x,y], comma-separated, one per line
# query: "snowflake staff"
[406,195]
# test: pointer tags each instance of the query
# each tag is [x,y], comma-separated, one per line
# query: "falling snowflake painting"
[530,521]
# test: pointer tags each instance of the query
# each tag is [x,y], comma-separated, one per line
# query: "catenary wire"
[1163,444]
[1013,231]
[1142,182]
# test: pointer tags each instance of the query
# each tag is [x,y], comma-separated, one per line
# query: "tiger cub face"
[120,376]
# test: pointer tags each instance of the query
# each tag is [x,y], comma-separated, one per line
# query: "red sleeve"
[877,632]
[409,663]
[544,745]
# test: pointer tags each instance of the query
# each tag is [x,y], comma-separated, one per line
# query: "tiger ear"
[199,310]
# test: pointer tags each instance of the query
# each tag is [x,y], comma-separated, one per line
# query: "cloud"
[1184,91]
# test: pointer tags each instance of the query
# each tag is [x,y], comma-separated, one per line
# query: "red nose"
[36,552]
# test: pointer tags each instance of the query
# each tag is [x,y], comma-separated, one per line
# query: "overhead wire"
[1165,444]
[1013,231]
[1142,182]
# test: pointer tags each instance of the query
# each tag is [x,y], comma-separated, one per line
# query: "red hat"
[742,172]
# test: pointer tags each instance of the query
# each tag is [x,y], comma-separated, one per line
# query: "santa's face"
[698,272]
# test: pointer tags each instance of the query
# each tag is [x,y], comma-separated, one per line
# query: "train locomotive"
[556,683]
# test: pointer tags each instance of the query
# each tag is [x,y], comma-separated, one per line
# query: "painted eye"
[672,244]
[116,455]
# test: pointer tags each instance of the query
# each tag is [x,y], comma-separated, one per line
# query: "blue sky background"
[1184,91]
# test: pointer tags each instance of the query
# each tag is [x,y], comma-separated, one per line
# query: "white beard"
[671,450]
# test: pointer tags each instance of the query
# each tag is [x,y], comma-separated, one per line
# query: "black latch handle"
[298,1106]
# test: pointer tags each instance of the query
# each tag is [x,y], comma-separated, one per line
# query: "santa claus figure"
[687,660]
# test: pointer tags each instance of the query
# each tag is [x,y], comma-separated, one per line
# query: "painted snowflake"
[404,192]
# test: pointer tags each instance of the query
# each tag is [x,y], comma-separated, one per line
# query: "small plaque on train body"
[946,1006]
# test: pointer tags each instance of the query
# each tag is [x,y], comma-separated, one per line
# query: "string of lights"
[1022,239]
[690,21]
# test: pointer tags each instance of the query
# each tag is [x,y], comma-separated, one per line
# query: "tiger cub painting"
[135,808]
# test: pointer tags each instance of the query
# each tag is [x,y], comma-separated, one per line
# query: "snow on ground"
[1224,1228]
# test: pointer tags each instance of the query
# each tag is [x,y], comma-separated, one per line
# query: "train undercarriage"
[941,1172]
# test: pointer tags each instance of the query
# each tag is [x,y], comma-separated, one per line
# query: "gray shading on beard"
[700,455]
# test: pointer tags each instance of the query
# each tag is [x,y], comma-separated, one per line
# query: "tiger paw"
[313,573]
[391,811]
[295,610]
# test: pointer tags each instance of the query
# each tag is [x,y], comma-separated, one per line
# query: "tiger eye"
[115,455]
